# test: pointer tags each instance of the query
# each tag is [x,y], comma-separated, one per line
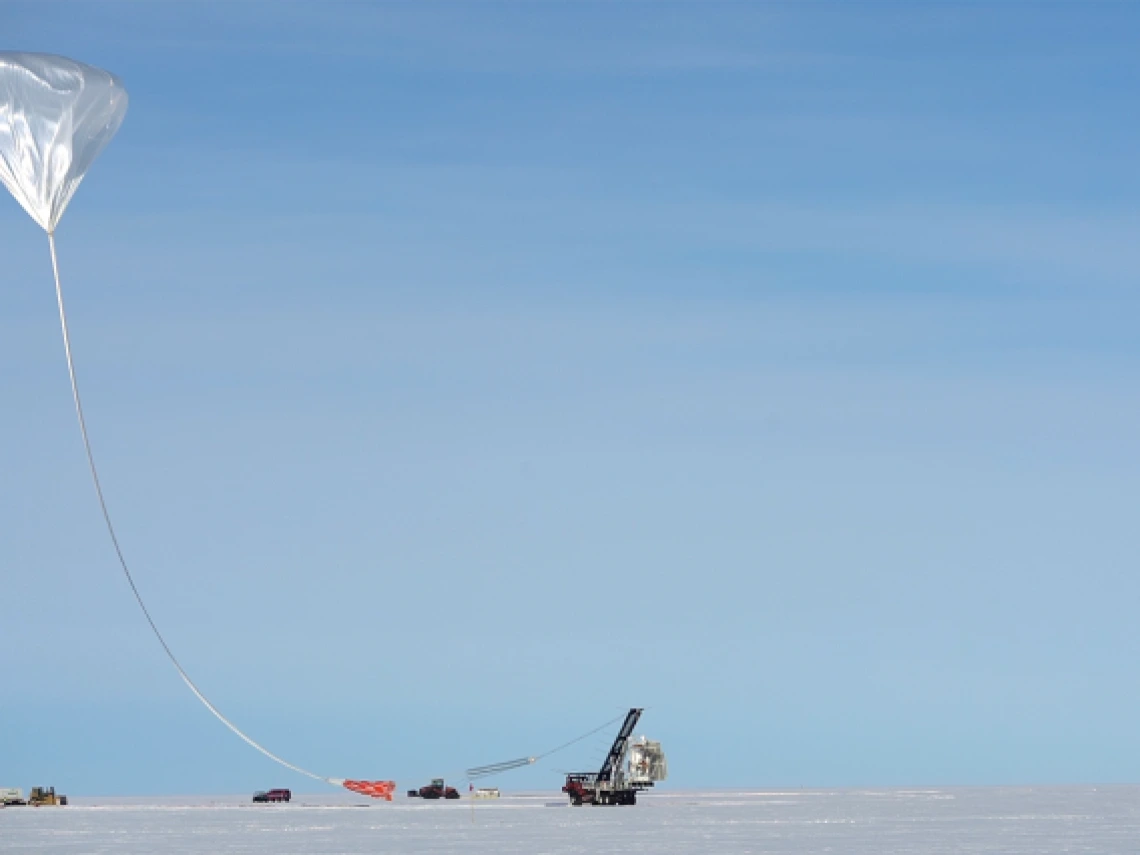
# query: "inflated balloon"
[56,115]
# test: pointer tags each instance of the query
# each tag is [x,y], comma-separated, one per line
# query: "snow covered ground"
[915,821]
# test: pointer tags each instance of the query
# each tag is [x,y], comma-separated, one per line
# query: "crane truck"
[628,768]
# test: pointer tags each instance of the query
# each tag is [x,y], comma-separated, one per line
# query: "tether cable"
[119,551]
[476,772]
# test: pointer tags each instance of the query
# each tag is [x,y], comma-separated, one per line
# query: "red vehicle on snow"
[435,790]
[273,796]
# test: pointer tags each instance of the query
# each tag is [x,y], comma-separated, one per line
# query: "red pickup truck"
[273,796]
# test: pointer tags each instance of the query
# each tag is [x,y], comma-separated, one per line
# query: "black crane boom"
[617,750]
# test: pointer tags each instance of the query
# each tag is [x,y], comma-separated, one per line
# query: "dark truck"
[273,796]
[435,790]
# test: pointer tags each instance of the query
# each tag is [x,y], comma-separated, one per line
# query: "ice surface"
[997,821]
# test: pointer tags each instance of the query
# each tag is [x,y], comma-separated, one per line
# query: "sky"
[462,375]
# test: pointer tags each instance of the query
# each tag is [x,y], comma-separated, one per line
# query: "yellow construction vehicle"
[41,796]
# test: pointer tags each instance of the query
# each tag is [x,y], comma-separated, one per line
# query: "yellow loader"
[41,796]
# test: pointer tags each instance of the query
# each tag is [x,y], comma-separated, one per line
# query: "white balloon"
[56,115]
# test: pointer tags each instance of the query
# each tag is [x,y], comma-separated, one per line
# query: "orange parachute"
[375,789]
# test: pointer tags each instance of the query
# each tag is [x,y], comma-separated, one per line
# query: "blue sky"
[463,374]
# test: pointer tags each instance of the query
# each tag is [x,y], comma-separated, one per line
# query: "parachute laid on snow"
[56,116]
[375,789]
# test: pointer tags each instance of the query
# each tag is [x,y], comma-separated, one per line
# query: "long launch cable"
[476,772]
[119,552]
[472,773]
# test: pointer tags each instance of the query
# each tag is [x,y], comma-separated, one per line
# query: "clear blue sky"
[462,374]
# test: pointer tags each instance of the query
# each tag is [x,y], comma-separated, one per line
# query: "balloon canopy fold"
[56,116]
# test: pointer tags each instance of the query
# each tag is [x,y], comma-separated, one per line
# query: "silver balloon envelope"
[56,115]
